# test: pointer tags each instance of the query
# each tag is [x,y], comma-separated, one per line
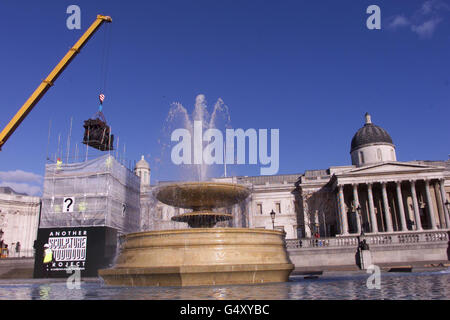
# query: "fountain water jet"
[179,117]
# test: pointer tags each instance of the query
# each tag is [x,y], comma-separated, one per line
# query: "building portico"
[391,197]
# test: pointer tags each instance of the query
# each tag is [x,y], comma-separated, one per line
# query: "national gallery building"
[375,195]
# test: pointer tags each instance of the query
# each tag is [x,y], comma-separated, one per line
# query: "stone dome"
[142,164]
[370,134]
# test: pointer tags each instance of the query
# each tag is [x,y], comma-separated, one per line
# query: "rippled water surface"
[434,285]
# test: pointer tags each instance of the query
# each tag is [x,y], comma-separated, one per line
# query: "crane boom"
[51,78]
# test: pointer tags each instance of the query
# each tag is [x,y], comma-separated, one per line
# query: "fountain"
[201,255]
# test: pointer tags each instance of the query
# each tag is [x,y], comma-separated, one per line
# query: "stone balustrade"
[322,242]
[382,239]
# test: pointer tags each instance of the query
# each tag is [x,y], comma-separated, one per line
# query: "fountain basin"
[202,197]
[201,256]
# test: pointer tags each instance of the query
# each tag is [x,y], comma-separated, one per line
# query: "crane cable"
[104,65]
[103,77]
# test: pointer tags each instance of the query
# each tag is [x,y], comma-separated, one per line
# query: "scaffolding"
[98,192]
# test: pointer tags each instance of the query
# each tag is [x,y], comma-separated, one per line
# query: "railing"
[321,243]
[381,239]
[9,254]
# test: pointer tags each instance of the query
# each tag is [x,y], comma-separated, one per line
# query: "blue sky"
[308,68]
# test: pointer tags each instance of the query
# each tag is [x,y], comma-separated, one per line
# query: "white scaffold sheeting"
[99,192]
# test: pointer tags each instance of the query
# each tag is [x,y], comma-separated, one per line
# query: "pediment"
[391,167]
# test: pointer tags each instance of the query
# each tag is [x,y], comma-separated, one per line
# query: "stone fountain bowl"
[197,257]
[202,195]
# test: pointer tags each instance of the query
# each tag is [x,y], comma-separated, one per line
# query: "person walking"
[48,258]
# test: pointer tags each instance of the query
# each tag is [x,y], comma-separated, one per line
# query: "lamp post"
[272,215]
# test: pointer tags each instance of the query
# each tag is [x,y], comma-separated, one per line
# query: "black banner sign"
[87,249]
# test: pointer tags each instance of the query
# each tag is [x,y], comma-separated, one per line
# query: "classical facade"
[19,219]
[374,195]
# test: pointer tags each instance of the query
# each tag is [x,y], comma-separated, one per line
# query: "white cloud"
[20,176]
[22,181]
[426,29]
[433,6]
[423,21]
[427,7]
[29,189]
[399,21]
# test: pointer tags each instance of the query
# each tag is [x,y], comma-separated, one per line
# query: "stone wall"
[19,219]
[333,253]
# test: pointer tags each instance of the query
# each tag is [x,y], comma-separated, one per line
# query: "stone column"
[430,205]
[387,212]
[342,211]
[373,217]
[444,199]
[400,206]
[356,201]
[306,217]
[338,201]
[415,205]
[35,224]
[28,215]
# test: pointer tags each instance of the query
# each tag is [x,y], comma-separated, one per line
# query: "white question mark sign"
[68,204]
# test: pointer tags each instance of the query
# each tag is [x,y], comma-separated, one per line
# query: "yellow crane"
[51,78]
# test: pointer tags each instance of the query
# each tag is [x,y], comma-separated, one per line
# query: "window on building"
[379,155]
[278,207]
[361,157]
[259,208]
